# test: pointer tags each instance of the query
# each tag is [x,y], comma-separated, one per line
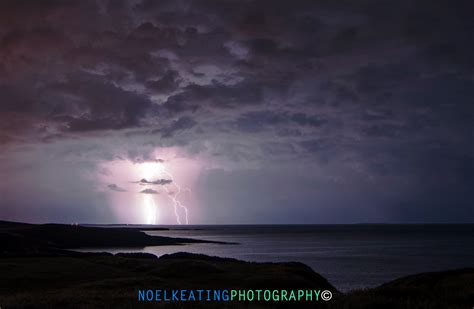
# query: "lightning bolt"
[150,204]
[175,198]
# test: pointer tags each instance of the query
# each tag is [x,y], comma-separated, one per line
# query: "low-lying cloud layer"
[149,191]
[160,182]
[114,187]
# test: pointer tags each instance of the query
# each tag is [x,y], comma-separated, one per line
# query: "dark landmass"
[32,239]
[107,281]
[140,227]
[37,270]
[447,289]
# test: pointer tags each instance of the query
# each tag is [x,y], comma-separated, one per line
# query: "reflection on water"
[349,256]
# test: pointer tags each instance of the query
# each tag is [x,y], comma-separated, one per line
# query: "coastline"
[39,269]
[33,239]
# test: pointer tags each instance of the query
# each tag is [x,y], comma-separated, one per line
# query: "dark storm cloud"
[149,191]
[183,123]
[144,160]
[215,95]
[364,90]
[165,84]
[258,121]
[104,105]
[114,187]
[160,182]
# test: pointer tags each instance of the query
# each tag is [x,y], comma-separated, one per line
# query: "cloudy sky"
[236,111]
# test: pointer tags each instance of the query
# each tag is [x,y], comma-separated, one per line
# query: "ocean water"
[349,256]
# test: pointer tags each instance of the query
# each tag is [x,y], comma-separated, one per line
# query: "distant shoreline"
[32,239]
[169,226]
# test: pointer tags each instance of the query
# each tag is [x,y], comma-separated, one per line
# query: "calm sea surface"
[349,256]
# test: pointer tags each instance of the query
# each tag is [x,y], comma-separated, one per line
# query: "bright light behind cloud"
[151,170]
[134,198]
